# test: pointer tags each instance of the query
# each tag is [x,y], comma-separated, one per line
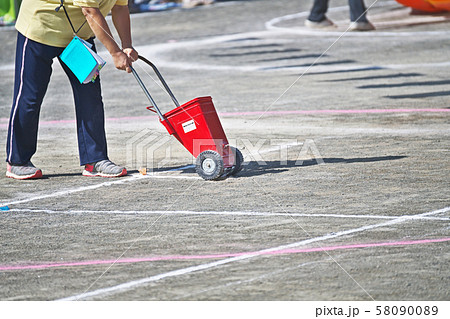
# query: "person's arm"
[121,20]
[101,30]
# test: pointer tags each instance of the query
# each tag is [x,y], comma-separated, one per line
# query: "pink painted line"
[218,256]
[255,113]
[335,112]
[110,119]
[127,118]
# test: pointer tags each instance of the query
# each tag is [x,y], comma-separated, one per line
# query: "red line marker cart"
[197,127]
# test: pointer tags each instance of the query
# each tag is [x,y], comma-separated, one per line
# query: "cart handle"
[175,101]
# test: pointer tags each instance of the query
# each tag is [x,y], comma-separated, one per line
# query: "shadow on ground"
[255,168]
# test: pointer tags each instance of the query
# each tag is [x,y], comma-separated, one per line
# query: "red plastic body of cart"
[197,127]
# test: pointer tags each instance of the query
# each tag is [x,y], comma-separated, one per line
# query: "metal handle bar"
[161,79]
[160,115]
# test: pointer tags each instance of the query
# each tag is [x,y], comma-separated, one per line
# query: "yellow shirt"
[39,21]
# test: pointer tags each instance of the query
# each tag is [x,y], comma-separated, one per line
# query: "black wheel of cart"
[209,165]
[239,161]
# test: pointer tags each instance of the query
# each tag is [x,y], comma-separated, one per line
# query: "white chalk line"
[158,52]
[220,213]
[129,178]
[151,51]
[211,265]
[271,26]
[263,276]
[241,282]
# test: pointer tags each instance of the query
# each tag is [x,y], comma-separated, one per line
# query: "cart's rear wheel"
[209,165]
[239,161]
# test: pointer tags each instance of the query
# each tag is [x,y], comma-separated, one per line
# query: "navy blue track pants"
[32,75]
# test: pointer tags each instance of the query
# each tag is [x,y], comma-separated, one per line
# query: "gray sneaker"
[26,171]
[104,168]
[324,24]
[361,26]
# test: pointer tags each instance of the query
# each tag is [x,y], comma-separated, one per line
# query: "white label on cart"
[189,126]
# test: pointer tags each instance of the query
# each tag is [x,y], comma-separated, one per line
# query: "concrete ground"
[344,194]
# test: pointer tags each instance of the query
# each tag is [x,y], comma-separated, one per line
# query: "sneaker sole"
[319,26]
[37,174]
[360,29]
[89,174]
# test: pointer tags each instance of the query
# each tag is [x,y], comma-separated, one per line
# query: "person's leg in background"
[358,19]
[318,11]
[317,17]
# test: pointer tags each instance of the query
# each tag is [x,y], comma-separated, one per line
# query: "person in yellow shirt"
[43,33]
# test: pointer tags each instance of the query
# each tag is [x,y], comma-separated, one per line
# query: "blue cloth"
[32,75]
[320,8]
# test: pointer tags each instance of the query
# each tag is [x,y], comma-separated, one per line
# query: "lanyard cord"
[67,15]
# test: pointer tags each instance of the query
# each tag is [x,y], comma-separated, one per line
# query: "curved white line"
[271,25]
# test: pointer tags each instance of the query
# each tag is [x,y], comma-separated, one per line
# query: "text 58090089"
[407,310]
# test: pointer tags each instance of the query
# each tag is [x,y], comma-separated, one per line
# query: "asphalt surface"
[344,194]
